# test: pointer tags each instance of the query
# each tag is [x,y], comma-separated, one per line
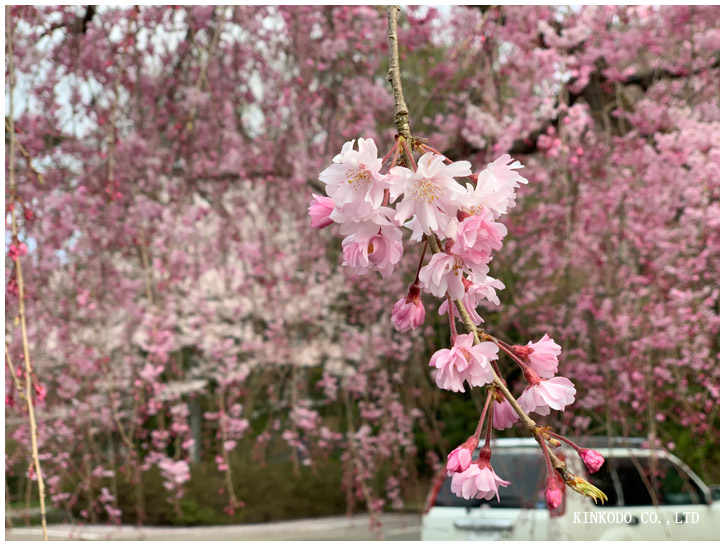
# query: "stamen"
[426,191]
[358,178]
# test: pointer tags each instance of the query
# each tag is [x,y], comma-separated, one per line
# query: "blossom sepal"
[583,487]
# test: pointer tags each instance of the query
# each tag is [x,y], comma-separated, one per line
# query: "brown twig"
[228,479]
[114,411]
[401,109]
[16,380]
[203,72]
[19,275]
[26,155]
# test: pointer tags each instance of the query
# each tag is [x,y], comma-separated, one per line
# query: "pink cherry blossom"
[474,293]
[373,245]
[477,237]
[504,415]
[17,251]
[495,188]
[408,312]
[486,289]
[40,393]
[320,209]
[431,194]
[460,458]
[464,362]
[443,274]
[592,459]
[555,393]
[354,181]
[542,356]
[478,481]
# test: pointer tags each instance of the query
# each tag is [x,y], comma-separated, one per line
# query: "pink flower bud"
[40,392]
[17,251]
[592,459]
[409,312]
[553,493]
[12,287]
[460,458]
[320,209]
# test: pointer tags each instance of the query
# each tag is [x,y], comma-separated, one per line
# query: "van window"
[525,471]
[644,482]
[605,480]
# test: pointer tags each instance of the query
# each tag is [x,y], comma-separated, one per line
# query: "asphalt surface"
[395,527]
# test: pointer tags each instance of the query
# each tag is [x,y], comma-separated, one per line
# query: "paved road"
[395,527]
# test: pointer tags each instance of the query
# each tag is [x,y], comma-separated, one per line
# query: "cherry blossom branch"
[19,276]
[530,424]
[112,130]
[401,109]
[26,155]
[16,380]
[114,411]
[148,273]
[451,320]
[234,502]
[203,71]
[402,124]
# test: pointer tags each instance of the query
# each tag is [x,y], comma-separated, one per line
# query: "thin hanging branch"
[402,124]
[19,274]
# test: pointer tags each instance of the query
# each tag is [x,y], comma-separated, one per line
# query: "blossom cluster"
[429,202]
[460,224]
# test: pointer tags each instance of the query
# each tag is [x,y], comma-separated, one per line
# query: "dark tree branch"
[597,97]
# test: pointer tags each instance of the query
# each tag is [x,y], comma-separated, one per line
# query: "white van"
[652,496]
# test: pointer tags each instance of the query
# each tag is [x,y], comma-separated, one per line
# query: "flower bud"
[592,459]
[319,210]
[460,458]
[553,492]
[409,312]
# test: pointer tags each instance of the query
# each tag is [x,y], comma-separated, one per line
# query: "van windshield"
[646,482]
[525,471]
